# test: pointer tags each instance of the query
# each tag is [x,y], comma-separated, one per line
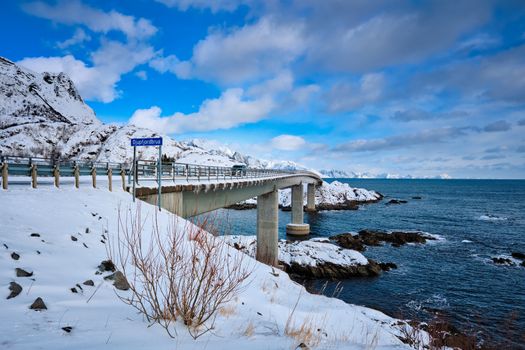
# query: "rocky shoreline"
[330,196]
[337,257]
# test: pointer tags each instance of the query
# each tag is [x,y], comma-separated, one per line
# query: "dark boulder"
[38,305]
[396,201]
[15,289]
[107,266]
[23,273]
[89,283]
[15,256]
[119,280]
[503,261]
[387,266]
[518,255]
[349,241]
[242,206]
[333,271]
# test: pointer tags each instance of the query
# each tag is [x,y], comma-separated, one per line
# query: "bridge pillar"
[310,198]
[297,227]
[267,228]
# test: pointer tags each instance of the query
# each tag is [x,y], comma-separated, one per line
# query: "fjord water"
[477,219]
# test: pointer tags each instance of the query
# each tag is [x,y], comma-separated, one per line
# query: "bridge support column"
[297,227]
[267,228]
[310,198]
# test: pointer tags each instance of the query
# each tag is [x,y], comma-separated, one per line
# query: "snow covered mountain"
[341,174]
[44,115]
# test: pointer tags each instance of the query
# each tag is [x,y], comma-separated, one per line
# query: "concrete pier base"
[297,227]
[267,228]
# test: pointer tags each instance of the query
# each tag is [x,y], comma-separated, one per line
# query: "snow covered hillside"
[60,239]
[44,115]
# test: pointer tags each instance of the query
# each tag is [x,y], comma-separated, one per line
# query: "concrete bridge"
[189,189]
[192,199]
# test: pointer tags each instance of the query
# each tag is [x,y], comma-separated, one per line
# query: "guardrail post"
[123,175]
[94,176]
[56,174]
[110,179]
[76,173]
[4,175]
[33,176]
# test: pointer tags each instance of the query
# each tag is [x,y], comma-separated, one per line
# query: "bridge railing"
[144,170]
[174,171]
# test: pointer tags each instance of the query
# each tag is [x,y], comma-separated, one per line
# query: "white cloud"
[287,142]
[75,12]
[78,37]
[171,64]
[245,54]
[344,96]
[213,6]
[229,110]
[142,74]
[97,82]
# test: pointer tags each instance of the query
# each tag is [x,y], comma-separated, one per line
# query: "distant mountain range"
[341,174]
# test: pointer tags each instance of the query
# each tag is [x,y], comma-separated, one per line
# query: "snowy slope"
[43,115]
[100,320]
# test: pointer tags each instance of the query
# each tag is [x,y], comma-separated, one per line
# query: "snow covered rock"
[315,258]
[329,196]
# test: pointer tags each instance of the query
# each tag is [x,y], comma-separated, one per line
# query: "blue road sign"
[147,141]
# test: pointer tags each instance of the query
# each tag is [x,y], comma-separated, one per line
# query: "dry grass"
[227,311]
[181,274]
[307,331]
[248,332]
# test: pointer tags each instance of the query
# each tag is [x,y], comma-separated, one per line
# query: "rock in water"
[518,255]
[22,273]
[503,261]
[119,280]
[38,305]
[349,241]
[396,201]
[15,289]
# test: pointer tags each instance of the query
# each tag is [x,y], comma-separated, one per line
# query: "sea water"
[453,276]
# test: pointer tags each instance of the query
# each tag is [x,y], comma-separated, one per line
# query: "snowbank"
[73,226]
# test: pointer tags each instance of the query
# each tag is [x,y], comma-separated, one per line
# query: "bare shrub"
[181,274]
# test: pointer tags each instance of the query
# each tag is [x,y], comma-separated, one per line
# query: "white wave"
[466,241]
[490,217]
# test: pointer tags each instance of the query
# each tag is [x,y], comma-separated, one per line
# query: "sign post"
[148,141]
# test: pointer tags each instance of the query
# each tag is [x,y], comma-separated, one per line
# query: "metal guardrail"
[145,170]
[192,172]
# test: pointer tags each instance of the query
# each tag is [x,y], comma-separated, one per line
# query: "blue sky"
[405,87]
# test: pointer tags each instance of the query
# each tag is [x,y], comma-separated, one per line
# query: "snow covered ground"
[74,224]
[305,253]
